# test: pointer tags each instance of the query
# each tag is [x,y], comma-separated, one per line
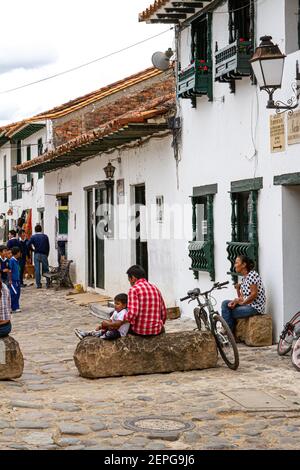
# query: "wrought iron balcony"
[235,249]
[195,80]
[202,255]
[232,62]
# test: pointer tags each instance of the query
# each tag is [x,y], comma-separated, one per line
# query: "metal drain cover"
[257,400]
[158,425]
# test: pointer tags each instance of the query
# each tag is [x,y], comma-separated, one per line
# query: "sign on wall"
[277,133]
[293,126]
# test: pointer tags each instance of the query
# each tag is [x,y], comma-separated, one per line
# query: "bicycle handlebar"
[192,294]
[220,284]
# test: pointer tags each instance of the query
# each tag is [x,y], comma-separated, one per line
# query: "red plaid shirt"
[146,309]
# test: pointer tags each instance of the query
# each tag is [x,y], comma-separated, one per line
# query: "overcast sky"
[40,38]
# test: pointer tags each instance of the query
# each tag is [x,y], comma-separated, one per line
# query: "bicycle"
[212,321]
[290,339]
[290,332]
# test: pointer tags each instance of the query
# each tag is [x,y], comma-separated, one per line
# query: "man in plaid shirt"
[146,308]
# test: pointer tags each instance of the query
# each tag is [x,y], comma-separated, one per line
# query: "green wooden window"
[244,233]
[63,217]
[196,79]
[40,151]
[19,152]
[28,158]
[5,177]
[201,248]
[232,62]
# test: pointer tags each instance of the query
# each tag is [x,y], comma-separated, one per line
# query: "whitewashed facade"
[225,153]
[15,198]
[227,140]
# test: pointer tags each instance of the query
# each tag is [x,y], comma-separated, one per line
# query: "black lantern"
[109,171]
[267,63]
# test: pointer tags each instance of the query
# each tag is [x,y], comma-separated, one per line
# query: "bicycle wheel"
[285,340]
[200,317]
[296,355]
[225,342]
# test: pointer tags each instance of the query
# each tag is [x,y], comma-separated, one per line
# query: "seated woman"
[5,309]
[251,297]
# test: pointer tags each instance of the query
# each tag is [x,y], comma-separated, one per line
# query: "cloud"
[31,58]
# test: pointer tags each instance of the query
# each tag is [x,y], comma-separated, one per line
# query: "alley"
[51,407]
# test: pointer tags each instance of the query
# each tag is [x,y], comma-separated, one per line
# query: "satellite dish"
[161,60]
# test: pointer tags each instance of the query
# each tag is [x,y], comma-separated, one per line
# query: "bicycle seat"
[194,292]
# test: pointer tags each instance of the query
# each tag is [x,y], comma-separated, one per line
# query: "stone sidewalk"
[51,407]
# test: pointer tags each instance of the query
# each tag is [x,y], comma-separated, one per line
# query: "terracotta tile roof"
[145,15]
[84,100]
[154,108]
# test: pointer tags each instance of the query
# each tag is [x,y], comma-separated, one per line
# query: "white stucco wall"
[153,164]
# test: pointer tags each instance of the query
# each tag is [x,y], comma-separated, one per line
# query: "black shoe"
[38,287]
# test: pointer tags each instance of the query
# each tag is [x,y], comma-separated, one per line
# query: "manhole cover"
[157,425]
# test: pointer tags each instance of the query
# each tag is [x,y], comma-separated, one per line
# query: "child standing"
[108,328]
[4,268]
[15,285]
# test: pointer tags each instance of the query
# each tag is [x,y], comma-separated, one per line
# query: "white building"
[247,194]
[21,196]
[127,124]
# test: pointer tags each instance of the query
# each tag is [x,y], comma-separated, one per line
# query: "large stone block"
[132,355]
[11,359]
[254,331]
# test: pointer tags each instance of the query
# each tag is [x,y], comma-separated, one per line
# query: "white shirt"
[120,316]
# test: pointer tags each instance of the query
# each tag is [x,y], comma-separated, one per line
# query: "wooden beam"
[177,16]
[180,10]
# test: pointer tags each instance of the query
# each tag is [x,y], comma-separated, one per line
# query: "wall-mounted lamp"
[267,63]
[109,170]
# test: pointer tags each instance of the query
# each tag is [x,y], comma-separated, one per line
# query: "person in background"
[5,309]
[13,240]
[40,243]
[4,268]
[24,253]
[15,285]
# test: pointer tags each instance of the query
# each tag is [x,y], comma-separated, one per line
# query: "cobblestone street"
[51,407]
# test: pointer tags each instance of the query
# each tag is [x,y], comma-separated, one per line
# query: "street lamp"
[267,63]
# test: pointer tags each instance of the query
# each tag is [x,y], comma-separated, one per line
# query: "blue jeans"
[240,311]
[5,329]
[38,259]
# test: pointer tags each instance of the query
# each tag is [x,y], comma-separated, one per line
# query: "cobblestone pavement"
[51,407]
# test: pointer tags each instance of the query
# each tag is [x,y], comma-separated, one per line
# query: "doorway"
[141,245]
[99,226]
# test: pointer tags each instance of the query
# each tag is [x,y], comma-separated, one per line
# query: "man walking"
[40,243]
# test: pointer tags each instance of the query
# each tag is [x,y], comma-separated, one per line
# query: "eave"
[173,11]
[24,131]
